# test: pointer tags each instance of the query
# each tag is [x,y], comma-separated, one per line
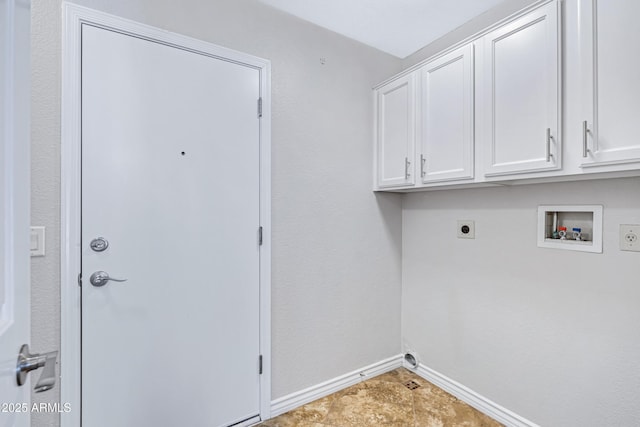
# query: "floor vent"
[411,385]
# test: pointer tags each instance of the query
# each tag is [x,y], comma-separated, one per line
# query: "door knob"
[100,278]
[28,362]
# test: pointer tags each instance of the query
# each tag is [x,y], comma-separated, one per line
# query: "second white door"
[170,202]
[610,86]
[395,141]
[519,88]
[446,117]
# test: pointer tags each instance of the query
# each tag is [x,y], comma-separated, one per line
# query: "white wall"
[336,245]
[549,334]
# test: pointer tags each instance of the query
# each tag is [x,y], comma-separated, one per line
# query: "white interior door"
[14,210]
[170,179]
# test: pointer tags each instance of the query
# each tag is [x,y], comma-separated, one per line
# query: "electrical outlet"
[466,229]
[630,237]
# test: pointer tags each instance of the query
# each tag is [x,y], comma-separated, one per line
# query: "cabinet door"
[520,83]
[446,117]
[396,132]
[611,87]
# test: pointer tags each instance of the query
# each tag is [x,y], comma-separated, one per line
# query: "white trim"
[249,422]
[299,398]
[472,398]
[294,400]
[70,314]
[73,18]
[265,249]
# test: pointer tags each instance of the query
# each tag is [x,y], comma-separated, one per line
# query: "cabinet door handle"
[549,137]
[585,131]
[422,160]
[406,168]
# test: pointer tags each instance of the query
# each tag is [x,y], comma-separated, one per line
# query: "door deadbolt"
[99,244]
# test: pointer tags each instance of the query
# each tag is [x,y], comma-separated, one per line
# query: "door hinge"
[260,236]
[259,107]
[80,279]
[260,365]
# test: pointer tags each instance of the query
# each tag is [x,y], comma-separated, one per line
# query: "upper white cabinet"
[395,133]
[490,109]
[519,70]
[445,117]
[610,66]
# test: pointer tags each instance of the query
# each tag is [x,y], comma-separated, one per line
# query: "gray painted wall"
[336,245]
[550,334]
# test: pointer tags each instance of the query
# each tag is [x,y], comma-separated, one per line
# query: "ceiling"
[398,27]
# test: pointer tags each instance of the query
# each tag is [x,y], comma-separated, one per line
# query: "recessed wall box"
[570,227]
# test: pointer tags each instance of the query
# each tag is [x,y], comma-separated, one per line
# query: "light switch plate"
[466,229]
[630,237]
[37,241]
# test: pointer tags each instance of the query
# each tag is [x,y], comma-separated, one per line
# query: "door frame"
[74,17]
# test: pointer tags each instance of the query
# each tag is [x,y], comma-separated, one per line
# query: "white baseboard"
[299,398]
[472,398]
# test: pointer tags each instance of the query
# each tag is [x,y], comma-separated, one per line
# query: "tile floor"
[386,401]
